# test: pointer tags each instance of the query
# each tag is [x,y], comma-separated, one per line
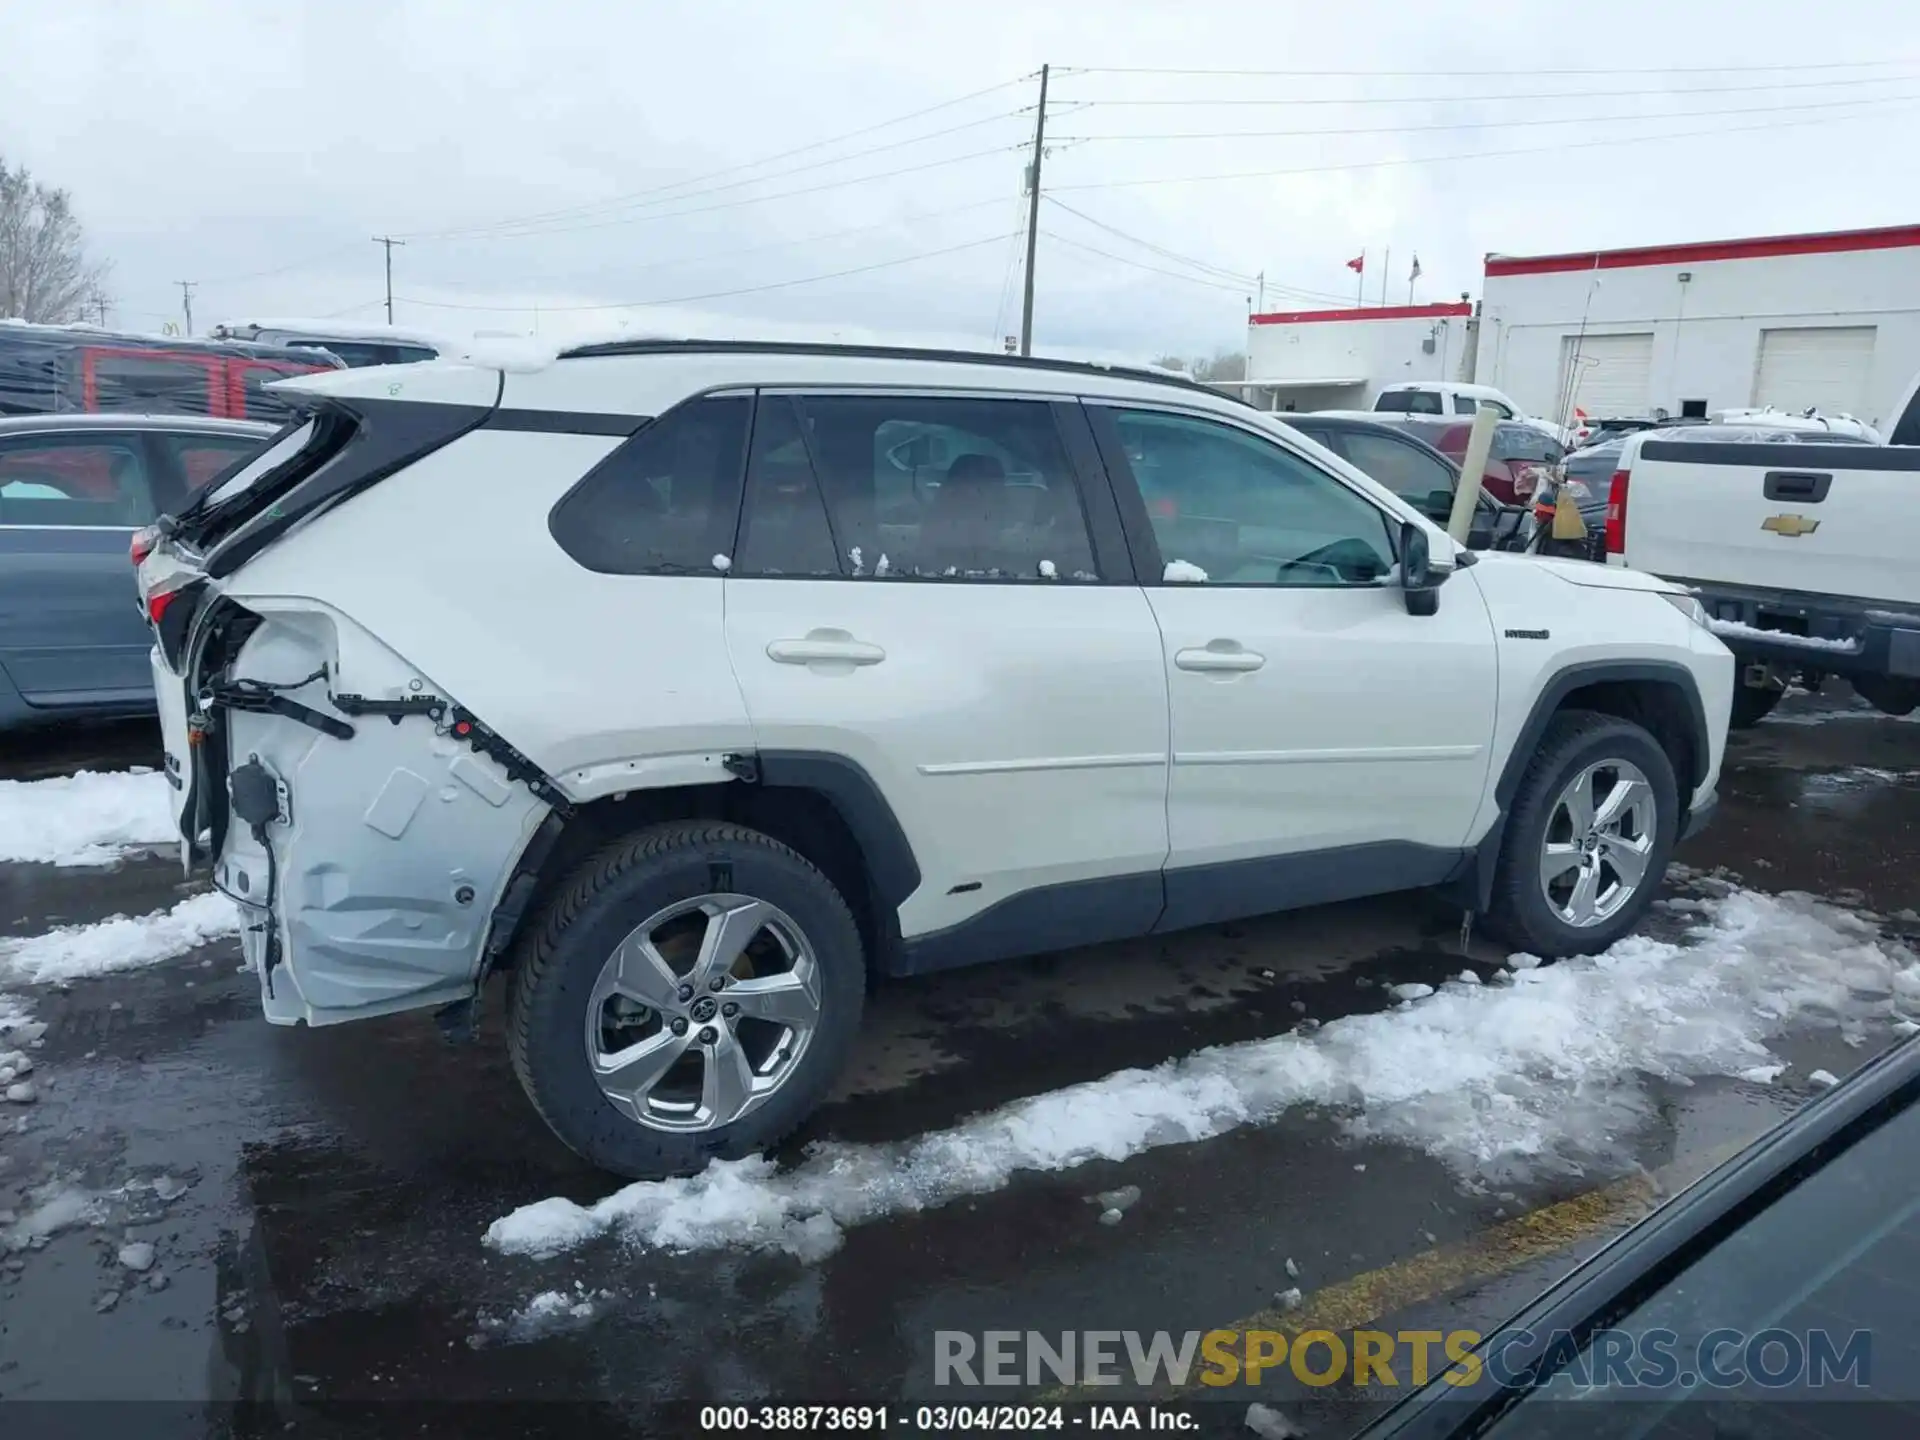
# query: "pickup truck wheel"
[1752,704]
[1591,831]
[691,994]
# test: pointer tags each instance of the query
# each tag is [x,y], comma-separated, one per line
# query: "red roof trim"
[1374,312]
[1833,242]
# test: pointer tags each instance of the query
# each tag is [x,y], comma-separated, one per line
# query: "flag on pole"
[1416,270]
[1358,264]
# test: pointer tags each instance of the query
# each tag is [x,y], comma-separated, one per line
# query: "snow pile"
[1538,1073]
[89,818]
[51,1208]
[551,1312]
[1734,629]
[123,942]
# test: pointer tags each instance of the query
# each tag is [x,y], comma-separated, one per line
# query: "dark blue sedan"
[73,490]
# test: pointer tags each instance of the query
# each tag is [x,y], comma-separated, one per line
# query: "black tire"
[598,905]
[1752,704]
[1575,739]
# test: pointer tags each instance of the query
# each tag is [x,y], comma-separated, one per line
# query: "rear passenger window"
[1465,405]
[90,482]
[665,502]
[914,488]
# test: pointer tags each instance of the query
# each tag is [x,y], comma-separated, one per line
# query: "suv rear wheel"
[691,994]
[1592,829]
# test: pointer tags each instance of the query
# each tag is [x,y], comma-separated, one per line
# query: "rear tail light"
[1617,514]
[143,543]
[158,604]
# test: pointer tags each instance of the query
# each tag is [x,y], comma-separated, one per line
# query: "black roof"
[889,352]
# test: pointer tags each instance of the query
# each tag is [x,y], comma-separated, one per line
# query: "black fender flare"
[1473,888]
[892,869]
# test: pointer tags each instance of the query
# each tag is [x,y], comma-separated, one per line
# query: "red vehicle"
[1521,461]
[58,369]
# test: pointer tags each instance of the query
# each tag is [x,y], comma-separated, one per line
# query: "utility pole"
[389,242]
[186,301]
[1033,215]
[1386,269]
[100,304]
[1262,279]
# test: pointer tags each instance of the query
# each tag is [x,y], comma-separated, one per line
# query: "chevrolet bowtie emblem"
[1790,525]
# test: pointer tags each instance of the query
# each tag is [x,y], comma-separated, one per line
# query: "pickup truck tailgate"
[1823,519]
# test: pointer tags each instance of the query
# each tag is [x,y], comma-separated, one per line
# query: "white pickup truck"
[1806,556]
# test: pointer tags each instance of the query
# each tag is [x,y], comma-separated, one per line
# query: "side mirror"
[1418,582]
[1439,506]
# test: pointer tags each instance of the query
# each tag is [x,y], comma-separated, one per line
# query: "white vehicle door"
[1326,742]
[922,586]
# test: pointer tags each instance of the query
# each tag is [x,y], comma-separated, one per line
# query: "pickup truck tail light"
[143,543]
[1617,514]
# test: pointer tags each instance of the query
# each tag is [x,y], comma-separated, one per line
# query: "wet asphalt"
[320,1266]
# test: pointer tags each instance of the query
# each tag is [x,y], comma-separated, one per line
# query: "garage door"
[1826,366]
[1606,375]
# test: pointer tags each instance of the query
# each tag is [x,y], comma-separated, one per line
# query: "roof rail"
[885,352]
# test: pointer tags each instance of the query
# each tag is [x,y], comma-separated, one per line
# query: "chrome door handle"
[1217,656]
[818,649]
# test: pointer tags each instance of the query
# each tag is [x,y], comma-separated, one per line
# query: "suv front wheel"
[1592,829]
[692,994]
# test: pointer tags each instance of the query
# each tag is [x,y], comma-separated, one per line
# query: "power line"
[1234,275]
[706,257]
[1506,72]
[762,199]
[286,269]
[1059,239]
[716,294]
[1502,98]
[537,217]
[1497,124]
[1240,280]
[1465,155]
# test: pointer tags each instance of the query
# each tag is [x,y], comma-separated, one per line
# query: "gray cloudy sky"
[214,140]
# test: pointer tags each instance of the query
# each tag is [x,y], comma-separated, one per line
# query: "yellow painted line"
[1356,1302]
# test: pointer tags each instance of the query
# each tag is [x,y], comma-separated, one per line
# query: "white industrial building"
[1830,321]
[1339,359]
[1792,321]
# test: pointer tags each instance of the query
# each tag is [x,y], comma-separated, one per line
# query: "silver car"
[73,490]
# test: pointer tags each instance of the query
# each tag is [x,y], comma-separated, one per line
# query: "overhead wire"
[1499,73]
[1399,160]
[595,208]
[1513,124]
[1505,97]
[762,199]
[711,294]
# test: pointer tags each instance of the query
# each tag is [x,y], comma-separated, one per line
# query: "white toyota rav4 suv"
[697,683]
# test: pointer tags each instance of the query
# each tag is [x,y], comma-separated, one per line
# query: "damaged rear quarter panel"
[387,831]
